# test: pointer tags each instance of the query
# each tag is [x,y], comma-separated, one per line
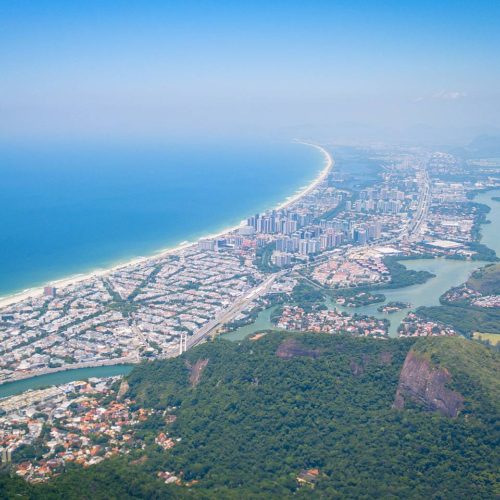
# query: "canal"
[62,377]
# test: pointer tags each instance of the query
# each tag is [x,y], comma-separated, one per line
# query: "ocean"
[72,209]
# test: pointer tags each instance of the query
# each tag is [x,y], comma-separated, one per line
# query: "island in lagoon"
[393,306]
[166,314]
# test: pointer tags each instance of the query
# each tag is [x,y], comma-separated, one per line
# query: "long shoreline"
[72,280]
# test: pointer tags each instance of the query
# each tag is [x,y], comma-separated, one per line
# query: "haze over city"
[362,70]
[249,249]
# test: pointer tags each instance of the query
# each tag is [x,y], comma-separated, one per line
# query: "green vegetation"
[487,338]
[128,305]
[473,369]
[402,276]
[393,306]
[263,259]
[308,297]
[482,252]
[125,306]
[464,320]
[355,298]
[256,420]
[479,210]
[276,314]
[331,214]
[486,280]
[464,317]
[151,278]
[31,452]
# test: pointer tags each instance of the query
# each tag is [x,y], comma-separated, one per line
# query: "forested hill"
[301,415]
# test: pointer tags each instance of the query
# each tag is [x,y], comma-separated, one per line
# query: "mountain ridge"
[256,422]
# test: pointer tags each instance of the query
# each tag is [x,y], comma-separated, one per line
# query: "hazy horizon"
[348,71]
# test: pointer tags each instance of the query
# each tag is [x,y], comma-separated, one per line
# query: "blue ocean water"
[73,209]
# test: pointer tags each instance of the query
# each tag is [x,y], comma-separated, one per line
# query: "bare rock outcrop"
[196,370]
[425,385]
[290,348]
[385,357]
[356,369]
[124,387]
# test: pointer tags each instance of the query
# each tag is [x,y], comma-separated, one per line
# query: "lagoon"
[62,377]
[448,273]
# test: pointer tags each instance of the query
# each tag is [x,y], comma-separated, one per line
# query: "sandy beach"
[72,280]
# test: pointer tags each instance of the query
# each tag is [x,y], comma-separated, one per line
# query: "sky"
[340,70]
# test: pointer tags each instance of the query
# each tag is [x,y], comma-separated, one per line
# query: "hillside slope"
[486,280]
[254,417]
[464,316]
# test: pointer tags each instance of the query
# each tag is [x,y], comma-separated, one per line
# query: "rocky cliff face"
[425,385]
[124,387]
[196,370]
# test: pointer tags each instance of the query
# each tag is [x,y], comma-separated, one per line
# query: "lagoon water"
[490,233]
[62,377]
[68,210]
[449,273]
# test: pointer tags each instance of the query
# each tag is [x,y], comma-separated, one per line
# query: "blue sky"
[380,69]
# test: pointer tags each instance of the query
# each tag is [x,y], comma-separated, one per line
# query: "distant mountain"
[299,415]
[483,146]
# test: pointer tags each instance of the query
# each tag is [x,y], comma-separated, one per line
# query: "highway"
[412,232]
[232,311]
